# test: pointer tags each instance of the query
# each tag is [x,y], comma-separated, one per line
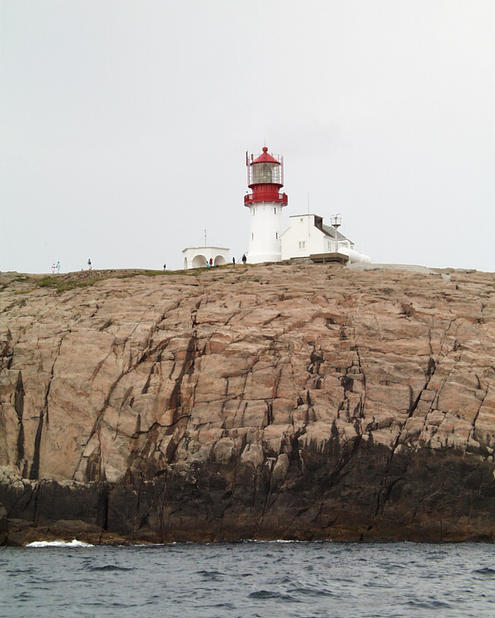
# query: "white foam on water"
[264,542]
[73,543]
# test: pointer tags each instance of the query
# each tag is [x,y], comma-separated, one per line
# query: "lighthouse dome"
[265,157]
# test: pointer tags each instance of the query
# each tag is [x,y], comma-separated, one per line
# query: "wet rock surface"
[3,525]
[280,401]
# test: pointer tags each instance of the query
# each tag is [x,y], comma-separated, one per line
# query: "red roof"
[265,158]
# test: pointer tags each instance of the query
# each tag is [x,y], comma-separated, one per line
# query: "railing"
[280,198]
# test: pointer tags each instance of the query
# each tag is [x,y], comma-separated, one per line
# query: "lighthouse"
[265,176]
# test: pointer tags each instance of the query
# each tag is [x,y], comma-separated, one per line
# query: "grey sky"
[123,126]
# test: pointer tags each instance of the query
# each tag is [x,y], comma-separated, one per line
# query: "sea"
[248,579]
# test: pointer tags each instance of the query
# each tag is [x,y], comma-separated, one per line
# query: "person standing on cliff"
[58,267]
[233,262]
[244,259]
[89,264]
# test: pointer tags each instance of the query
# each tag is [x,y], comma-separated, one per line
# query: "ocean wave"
[485,571]
[73,543]
[110,567]
[271,594]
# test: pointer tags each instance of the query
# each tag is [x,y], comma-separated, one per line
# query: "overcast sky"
[123,126]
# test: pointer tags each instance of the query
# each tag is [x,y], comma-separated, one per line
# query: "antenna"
[336,223]
[248,169]
[309,226]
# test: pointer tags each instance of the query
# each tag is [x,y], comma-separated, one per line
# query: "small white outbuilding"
[199,257]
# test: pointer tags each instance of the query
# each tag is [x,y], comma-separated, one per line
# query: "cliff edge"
[280,401]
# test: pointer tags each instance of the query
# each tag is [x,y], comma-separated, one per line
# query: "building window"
[302,244]
[301,220]
[252,235]
[276,235]
[253,211]
[275,211]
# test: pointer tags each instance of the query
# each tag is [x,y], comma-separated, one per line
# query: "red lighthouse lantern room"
[265,179]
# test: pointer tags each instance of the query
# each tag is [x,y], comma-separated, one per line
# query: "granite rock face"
[280,401]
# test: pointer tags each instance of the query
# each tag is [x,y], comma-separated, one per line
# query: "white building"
[307,235]
[199,257]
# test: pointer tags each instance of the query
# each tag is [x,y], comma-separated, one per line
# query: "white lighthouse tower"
[265,179]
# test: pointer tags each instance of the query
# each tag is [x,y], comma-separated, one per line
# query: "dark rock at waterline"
[418,496]
[3,525]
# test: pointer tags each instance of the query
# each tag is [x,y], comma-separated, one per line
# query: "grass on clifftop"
[83,279]
[71,281]
[63,285]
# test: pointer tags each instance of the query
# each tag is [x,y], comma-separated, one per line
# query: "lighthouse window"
[276,235]
[262,172]
[274,211]
[252,236]
[302,244]
[266,173]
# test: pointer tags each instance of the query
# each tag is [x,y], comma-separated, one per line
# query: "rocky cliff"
[281,401]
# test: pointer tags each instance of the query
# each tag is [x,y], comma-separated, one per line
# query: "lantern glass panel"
[266,173]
